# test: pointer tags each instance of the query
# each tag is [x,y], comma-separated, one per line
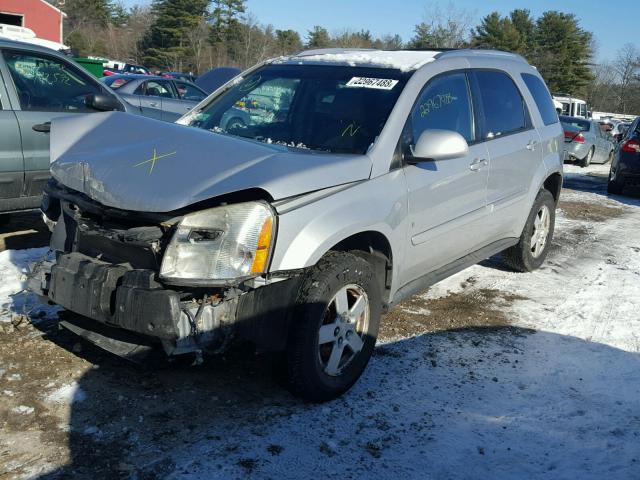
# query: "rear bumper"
[575,151]
[132,300]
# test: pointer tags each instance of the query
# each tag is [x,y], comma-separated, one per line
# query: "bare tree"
[626,66]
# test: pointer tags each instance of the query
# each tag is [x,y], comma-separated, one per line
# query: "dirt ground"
[70,410]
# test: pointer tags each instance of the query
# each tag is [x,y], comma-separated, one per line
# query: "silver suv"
[360,178]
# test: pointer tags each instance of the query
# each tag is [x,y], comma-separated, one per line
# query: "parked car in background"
[213,79]
[585,142]
[625,166]
[619,131]
[38,84]
[126,69]
[158,97]
[372,177]
[187,77]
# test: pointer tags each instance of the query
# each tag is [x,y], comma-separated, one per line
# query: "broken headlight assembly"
[220,244]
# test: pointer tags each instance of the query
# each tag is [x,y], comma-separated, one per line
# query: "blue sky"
[612,23]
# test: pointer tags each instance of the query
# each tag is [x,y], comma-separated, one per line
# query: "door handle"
[42,127]
[478,163]
[532,145]
[153,104]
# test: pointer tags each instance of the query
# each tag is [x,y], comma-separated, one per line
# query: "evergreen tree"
[423,37]
[318,38]
[525,25]
[225,19]
[166,43]
[498,33]
[562,52]
[288,42]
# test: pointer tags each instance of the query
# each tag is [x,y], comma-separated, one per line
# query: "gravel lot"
[489,374]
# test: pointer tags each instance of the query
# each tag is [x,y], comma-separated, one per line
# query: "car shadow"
[23,230]
[595,182]
[468,403]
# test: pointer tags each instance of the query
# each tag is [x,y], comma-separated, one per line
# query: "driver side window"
[444,104]
[48,84]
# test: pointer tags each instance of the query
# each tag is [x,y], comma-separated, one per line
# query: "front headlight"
[221,243]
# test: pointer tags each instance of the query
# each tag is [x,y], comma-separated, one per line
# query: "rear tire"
[613,187]
[586,161]
[530,252]
[328,349]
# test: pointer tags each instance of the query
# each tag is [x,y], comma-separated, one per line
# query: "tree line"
[196,35]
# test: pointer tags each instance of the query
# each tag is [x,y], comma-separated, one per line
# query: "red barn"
[38,15]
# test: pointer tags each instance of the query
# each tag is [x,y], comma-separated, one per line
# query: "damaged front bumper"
[131,300]
[106,271]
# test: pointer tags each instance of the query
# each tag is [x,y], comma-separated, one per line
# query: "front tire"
[334,327]
[530,252]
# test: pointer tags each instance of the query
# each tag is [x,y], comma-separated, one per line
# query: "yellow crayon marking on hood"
[351,129]
[154,159]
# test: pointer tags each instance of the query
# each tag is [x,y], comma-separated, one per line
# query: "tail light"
[574,137]
[631,146]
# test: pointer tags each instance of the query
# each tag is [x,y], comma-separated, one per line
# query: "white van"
[571,107]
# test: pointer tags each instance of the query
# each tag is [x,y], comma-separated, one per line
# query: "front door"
[45,87]
[446,198]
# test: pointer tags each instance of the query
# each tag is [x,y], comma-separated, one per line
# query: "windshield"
[326,108]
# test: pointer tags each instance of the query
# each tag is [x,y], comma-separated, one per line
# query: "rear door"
[42,87]
[11,160]
[447,198]
[513,144]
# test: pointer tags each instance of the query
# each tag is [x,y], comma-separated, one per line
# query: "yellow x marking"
[154,159]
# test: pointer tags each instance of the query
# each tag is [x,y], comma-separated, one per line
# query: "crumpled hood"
[136,163]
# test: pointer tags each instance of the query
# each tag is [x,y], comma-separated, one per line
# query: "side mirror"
[438,145]
[103,102]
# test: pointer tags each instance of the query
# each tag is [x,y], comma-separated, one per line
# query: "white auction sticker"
[379,83]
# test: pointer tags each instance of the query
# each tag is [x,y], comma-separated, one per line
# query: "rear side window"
[444,104]
[502,104]
[118,82]
[542,97]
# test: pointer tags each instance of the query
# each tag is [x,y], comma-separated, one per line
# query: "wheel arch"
[553,183]
[374,247]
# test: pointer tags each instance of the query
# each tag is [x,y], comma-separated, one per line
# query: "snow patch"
[69,393]
[14,266]
[23,410]
[402,60]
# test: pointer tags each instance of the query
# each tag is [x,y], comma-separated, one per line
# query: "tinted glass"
[189,92]
[326,108]
[504,110]
[444,104]
[48,84]
[542,97]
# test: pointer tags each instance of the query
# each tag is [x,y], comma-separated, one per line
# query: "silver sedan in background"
[585,142]
[167,98]
[159,97]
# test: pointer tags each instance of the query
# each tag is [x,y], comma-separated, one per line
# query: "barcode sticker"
[378,83]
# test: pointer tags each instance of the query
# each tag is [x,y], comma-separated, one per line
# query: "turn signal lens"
[264,243]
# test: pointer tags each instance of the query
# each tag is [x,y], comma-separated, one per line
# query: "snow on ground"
[555,394]
[13,266]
